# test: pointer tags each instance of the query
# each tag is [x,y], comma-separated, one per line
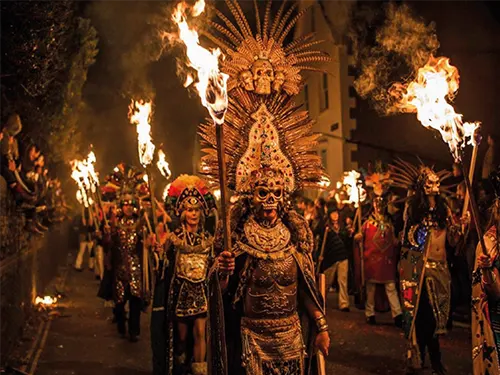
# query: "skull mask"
[268,190]
[431,182]
[279,79]
[246,80]
[263,76]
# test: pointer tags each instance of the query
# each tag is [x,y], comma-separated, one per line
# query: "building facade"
[327,96]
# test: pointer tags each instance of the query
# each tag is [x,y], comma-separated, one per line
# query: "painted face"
[193,214]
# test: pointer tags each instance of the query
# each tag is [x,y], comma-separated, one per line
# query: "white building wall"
[334,121]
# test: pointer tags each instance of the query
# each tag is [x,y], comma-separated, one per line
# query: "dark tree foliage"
[46,52]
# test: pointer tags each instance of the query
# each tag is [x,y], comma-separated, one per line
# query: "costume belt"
[273,346]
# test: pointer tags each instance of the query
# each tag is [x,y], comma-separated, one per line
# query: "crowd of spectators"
[23,167]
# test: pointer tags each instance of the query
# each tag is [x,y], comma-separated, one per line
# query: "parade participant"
[335,262]
[180,303]
[486,294]
[424,275]
[380,247]
[268,276]
[86,228]
[126,246]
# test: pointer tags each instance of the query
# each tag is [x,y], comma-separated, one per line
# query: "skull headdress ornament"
[263,63]
[419,178]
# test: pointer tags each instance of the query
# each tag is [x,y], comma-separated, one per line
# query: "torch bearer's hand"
[358,237]
[226,263]
[465,220]
[484,261]
[322,342]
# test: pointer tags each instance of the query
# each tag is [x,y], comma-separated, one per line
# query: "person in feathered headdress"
[379,248]
[425,281]
[486,293]
[267,275]
[129,259]
[181,296]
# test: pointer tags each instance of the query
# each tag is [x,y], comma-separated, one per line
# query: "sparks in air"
[162,165]
[428,95]
[211,84]
[140,115]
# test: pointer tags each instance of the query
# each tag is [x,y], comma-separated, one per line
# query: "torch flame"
[140,115]
[436,83]
[211,84]
[163,165]
[46,300]
[350,184]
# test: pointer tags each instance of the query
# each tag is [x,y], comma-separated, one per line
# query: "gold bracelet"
[321,323]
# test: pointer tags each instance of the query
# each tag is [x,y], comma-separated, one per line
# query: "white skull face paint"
[263,76]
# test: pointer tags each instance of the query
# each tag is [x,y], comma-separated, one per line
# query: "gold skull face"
[263,76]
[268,190]
[432,184]
[279,79]
[246,80]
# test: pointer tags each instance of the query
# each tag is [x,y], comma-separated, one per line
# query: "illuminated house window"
[324,93]
[306,97]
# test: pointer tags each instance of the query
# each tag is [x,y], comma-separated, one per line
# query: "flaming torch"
[212,89]
[81,176]
[140,115]
[427,96]
[94,177]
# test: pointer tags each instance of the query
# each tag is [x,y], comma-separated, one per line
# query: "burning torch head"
[268,191]
[216,97]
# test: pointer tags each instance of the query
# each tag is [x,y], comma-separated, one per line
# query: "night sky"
[469,33]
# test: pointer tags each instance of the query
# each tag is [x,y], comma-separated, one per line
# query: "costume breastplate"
[273,288]
[192,259]
[128,235]
[266,243]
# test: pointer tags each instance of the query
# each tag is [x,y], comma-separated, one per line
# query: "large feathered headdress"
[409,177]
[264,128]
[254,58]
[191,190]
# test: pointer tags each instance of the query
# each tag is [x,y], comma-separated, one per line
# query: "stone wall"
[28,264]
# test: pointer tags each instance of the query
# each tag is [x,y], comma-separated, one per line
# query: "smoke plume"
[392,50]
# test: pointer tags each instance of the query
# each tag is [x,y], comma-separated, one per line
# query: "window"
[306,97]
[324,93]
[323,156]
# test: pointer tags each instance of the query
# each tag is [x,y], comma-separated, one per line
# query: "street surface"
[84,341]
